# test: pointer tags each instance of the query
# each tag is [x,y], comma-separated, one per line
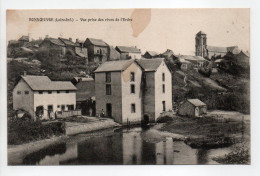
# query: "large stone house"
[53,45]
[97,50]
[41,97]
[127,52]
[206,51]
[132,91]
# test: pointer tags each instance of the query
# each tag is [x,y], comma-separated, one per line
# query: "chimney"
[24,73]
[70,39]
[46,36]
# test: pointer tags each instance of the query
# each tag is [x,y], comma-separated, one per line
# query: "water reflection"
[124,146]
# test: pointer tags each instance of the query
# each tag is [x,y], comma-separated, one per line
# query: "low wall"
[76,128]
[65,114]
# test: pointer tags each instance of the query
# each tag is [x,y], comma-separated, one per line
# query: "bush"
[164,119]
[22,131]
[239,156]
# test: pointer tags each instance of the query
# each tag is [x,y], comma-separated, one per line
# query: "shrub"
[22,131]
[164,119]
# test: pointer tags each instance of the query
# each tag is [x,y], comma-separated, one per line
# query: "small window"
[97,51]
[40,92]
[108,76]
[132,88]
[163,77]
[132,76]
[163,103]
[58,106]
[163,88]
[108,89]
[19,92]
[49,92]
[63,107]
[58,91]
[26,92]
[67,91]
[132,108]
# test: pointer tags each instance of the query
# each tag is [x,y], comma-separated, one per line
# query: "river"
[121,146]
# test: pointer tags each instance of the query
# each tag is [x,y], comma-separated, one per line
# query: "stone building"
[97,50]
[41,97]
[204,50]
[192,108]
[150,54]
[127,52]
[132,91]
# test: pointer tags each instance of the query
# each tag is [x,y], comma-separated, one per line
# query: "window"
[26,92]
[132,76]
[67,91]
[132,88]
[132,108]
[40,92]
[63,107]
[163,77]
[108,76]
[49,92]
[58,106]
[19,92]
[97,51]
[163,88]
[163,103]
[108,89]
[50,108]
[70,107]
[58,91]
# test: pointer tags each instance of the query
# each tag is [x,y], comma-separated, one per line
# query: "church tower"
[201,44]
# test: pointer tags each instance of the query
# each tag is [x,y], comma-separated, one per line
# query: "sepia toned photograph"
[128,87]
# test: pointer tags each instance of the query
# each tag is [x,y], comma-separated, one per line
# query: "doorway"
[109,110]
[146,120]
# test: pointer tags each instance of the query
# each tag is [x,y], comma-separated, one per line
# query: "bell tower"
[201,44]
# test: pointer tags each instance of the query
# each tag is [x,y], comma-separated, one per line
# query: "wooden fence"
[65,114]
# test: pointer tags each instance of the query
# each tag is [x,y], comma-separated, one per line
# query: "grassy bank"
[204,126]
[24,131]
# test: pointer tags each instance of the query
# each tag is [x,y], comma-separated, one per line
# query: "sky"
[150,29]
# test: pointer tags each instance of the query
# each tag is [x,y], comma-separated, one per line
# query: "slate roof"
[191,58]
[44,83]
[85,90]
[196,102]
[56,41]
[168,52]
[97,42]
[152,53]
[67,42]
[150,64]
[127,49]
[24,38]
[217,49]
[184,61]
[112,66]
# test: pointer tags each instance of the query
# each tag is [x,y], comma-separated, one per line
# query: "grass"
[23,131]
[202,126]
[240,155]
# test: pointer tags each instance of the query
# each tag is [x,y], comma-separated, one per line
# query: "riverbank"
[217,130]
[16,153]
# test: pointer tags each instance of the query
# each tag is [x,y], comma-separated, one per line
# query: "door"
[197,112]
[109,110]
[50,110]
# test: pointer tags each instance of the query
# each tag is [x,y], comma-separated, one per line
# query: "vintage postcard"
[128,86]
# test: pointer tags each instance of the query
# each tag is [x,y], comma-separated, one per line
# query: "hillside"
[220,91]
